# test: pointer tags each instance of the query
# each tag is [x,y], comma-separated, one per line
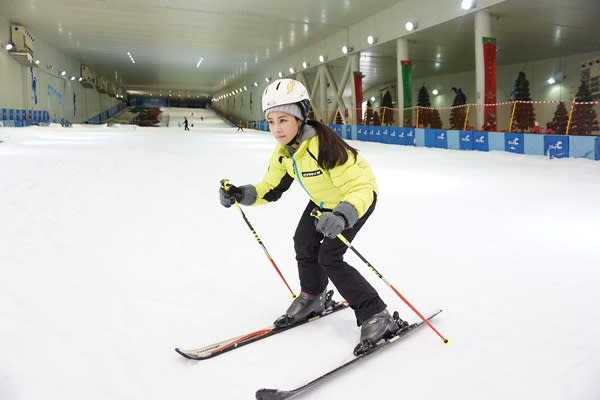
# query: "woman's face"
[283,126]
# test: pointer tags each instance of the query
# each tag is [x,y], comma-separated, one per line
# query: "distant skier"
[240,126]
[185,124]
[341,184]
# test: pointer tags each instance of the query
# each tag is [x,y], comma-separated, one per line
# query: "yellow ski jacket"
[352,182]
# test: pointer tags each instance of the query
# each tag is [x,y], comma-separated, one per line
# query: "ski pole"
[317,214]
[225,185]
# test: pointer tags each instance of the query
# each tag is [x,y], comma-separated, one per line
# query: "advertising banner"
[556,146]
[514,143]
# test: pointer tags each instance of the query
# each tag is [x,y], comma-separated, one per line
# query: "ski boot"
[380,326]
[303,307]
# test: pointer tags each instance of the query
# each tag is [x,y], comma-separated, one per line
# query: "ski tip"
[182,353]
[268,394]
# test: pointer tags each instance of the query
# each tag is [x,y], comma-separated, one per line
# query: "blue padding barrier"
[362,133]
[385,134]
[496,141]
[453,140]
[436,138]
[371,132]
[481,141]
[403,136]
[465,140]
[514,143]
[347,131]
[556,146]
[22,117]
[534,144]
[553,146]
[583,147]
[420,137]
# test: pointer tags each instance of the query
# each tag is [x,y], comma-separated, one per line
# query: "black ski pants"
[321,259]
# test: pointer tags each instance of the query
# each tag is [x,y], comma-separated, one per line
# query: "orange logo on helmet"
[290,86]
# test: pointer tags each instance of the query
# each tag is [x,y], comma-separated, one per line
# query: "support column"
[401,57]
[482,28]
[357,93]
[322,94]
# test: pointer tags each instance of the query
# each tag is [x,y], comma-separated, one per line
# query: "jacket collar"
[307,133]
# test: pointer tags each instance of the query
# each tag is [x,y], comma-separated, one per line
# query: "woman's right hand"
[230,195]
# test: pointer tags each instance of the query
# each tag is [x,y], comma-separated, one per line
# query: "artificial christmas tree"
[435,122]
[428,117]
[369,114]
[583,120]
[376,119]
[387,113]
[458,113]
[559,122]
[423,113]
[524,115]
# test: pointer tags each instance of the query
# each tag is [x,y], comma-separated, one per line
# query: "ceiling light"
[80,79]
[280,74]
[72,77]
[305,64]
[347,49]
[435,92]
[372,99]
[245,87]
[410,26]
[199,62]
[292,70]
[268,79]
[63,73]
[255,84]
[551,81]
[371,39]
[37,62]
[131,58]
[322,58]
[467,4]
[9,46]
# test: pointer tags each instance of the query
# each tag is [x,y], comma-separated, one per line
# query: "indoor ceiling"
[168,38]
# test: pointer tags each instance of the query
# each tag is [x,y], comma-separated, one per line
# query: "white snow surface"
[114,250]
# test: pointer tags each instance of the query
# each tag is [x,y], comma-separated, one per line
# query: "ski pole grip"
[315,213]
[225,184]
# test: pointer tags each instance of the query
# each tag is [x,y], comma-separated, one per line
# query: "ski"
[277,394]
[218,348]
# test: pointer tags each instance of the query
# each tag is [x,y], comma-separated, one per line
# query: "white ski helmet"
[286,91]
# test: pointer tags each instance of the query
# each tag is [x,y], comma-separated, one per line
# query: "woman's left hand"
[330,225]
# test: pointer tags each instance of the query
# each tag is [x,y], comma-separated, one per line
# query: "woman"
[338,181]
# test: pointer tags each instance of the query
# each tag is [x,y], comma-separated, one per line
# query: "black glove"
[245,195]
[334,222]
[230,196]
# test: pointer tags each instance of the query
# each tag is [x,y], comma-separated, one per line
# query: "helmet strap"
[295,141]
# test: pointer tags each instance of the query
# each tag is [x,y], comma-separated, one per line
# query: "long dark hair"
[333,150]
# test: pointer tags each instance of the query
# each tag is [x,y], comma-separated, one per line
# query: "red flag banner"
[489,63]
[359,95]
